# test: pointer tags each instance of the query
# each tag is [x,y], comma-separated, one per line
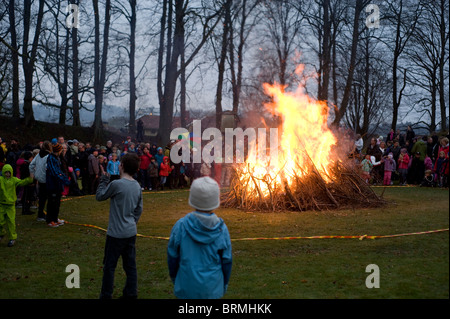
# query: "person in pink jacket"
[403,161]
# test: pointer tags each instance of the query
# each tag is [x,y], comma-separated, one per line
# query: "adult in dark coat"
[374,150]
[410,135]
[417,170]
[81,160]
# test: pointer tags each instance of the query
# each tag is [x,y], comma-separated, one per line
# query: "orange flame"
[304,139]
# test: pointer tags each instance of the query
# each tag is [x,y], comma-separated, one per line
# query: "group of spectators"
[407,158]
[82,164]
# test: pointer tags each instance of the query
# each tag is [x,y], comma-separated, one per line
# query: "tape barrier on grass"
[360,237]
[341,237]
[288,238]
[103,229]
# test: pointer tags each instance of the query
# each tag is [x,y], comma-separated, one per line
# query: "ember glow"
[305,142]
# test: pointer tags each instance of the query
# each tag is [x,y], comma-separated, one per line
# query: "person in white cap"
[199,250]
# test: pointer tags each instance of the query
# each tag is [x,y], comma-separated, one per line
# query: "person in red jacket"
[164,171]
[403,161]
[144,179]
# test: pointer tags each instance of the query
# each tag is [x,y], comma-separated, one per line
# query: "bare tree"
[29,56]
[240,22]
[129,12]
[15,62]
[444,32]
[222,59]
[5,76]
[341,109]
[54,58]
[283,25]
[100,64]
[403,15]
[429,59]
[75,75]
[171,47]
[325,54]
[368,103]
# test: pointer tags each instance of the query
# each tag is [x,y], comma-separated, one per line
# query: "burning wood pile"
[342,188]
[307,173]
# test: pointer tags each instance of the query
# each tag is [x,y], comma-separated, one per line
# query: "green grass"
[410,266]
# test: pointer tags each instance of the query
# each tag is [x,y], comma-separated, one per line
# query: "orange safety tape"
[103,229]
[288,238]
[360,237]
[341,237]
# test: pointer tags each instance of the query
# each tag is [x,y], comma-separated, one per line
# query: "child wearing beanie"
[199,250]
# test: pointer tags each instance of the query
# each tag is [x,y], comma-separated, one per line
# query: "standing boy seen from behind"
[124,213]
[199,250]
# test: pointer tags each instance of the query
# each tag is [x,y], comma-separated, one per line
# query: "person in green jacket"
[8,197]
[421,147]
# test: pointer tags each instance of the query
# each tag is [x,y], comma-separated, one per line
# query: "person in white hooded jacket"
[38,167]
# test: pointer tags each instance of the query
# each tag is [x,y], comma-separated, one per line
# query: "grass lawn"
[410,266]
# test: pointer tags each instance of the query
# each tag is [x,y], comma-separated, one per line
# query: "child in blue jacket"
[199,250]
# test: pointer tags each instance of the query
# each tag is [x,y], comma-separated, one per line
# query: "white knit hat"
[204,194]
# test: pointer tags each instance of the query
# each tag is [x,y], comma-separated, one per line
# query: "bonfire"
[308,173]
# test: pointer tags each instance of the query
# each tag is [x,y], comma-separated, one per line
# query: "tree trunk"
[325,63]
[347,91]
[29,58]
[166,109]
[395,104]
[166,90]
[161,54]
[100,69]
[222,59]
[444,39]
[15,64]
[183,112]
[132,127]
[433,91]
[75,79]
[237,76]
[64,99]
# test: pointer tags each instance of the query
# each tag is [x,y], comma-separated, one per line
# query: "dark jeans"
[144,178]
[114,248]
[27,198]
[93,183]
[154,183]
[53,204]
[85,183]
[42,195]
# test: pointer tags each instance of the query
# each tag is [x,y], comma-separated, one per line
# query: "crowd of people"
[76,168]
[404,159]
